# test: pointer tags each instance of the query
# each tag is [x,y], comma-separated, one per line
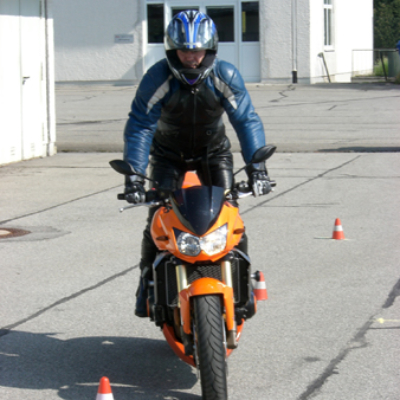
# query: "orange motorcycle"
[201,292]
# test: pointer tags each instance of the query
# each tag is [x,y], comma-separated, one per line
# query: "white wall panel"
[85,46]
[24,104]
[291,36]
[10,83]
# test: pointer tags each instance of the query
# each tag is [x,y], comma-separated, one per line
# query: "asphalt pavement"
[297,118]
[330,328]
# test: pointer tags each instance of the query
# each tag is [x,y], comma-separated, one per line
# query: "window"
[223,19]
[155,23]
[177,10]
[250,22]
[328,40]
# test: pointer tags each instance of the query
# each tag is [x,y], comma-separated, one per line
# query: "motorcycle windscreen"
[198,207]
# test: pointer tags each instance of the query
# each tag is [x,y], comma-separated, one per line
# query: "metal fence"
[375,62]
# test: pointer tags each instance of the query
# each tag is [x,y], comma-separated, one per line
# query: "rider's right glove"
[134,190]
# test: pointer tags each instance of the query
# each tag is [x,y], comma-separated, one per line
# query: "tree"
[386,23]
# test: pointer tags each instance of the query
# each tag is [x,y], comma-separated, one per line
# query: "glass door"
[154,45]
[177,10]
[224,18]
[249,64]
[238,30]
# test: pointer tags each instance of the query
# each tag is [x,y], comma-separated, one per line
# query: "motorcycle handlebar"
[243,189]
[155,197]
[151,195]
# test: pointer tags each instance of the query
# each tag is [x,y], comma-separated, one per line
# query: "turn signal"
[162,238]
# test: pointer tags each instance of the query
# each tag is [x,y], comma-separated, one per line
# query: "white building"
[269,41]
[27,126]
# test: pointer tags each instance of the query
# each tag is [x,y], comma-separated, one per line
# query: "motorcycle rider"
[176,117]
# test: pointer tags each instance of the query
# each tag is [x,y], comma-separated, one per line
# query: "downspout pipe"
[294,41]
[51,148]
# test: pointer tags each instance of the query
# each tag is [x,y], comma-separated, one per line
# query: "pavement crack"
[300,185]
[283,94]
[358,342]
[326,102]
[56,206]
[106,121]
[395,292]
[6,329]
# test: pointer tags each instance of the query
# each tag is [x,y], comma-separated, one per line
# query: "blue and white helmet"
[194,31]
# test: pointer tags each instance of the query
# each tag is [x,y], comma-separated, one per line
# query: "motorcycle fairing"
[176,345]
[202,287]
[165,221]
[207,202]
[179,348]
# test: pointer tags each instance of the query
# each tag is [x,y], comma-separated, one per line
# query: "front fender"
[204,287]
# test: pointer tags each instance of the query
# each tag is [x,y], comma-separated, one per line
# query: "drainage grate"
[6,233]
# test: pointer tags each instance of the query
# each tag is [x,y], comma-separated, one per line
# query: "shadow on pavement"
[138,368]
[362,149]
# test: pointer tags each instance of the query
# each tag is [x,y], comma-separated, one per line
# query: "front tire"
[210,346]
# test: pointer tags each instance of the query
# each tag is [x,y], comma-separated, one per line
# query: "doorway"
[238,30]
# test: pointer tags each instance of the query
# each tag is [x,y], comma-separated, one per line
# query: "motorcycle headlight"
[188,244]
[214,242]
[211,244]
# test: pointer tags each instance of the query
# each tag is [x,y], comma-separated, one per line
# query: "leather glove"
[260,183]
[258,179]
[134,190]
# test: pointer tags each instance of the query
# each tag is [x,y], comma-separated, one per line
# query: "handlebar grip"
[121,196]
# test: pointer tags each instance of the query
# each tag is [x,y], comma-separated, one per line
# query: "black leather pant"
[214,169]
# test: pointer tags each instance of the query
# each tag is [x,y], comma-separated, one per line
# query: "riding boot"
[141,299]
[149,251]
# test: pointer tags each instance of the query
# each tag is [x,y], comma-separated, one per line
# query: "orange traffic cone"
[260,289]
[338,230]
[104,392]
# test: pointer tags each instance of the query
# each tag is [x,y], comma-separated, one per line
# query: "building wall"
[10,84]
[291,38]
[357,18]
[317,67]
[276,65]
[27,127]
[86,47]
[285,44]
[352,30]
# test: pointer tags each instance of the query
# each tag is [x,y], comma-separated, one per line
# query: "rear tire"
[210,346]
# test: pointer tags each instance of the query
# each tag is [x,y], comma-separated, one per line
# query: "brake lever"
[149,204]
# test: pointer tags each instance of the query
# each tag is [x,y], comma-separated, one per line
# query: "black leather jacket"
[187,120]
[191,122]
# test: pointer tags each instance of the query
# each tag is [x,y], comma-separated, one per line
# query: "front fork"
[207,286]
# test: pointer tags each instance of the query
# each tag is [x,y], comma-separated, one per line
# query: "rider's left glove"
[260,183]
[258,179]
[134,190]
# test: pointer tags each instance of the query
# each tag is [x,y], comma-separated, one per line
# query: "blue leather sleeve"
[144,114]
[156,88]
[237,103]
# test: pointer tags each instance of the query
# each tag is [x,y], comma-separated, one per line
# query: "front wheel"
[210,346]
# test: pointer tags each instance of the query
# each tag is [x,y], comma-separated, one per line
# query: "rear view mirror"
[263,153]
[123,167]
